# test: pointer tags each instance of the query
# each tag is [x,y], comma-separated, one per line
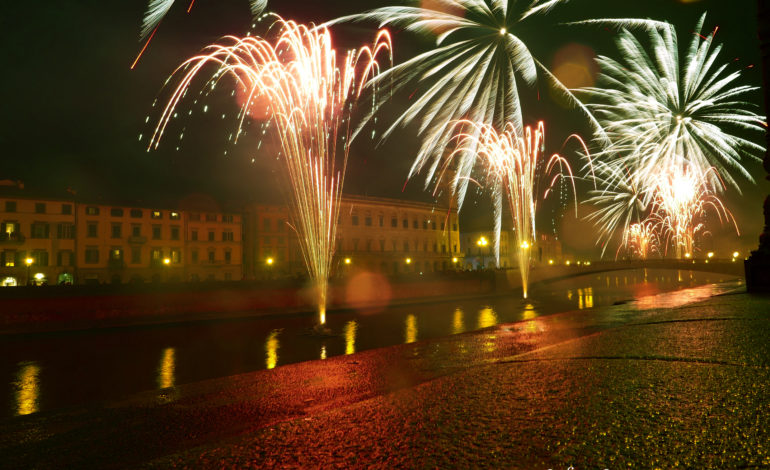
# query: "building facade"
[479,250]
[65,241]
[375,234]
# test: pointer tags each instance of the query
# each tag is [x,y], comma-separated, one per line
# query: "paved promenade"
[670,381]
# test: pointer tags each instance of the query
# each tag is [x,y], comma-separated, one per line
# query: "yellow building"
[479,250]
[385,235]
[37,241]
[64,241]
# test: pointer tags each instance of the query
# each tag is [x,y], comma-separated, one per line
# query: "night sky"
[73,111]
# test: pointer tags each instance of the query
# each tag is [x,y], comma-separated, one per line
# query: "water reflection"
[530,314]
[166,368]
[27,388]
[350,336]
[410,334]
[271,348]
[323,351]
[487,318]
[458,325]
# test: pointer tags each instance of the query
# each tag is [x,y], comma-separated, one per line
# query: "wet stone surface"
[682,385]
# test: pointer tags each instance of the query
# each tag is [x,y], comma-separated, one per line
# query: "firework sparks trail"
[511,163]
[667,122]
[157,10]
[475,72]
[683,198]
[642,238]
[310,100]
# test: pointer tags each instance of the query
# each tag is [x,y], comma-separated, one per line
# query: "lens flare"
[311,98]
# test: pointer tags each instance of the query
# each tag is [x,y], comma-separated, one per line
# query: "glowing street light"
[28,261]
[550,261]
[525,245]
[687,255]
[454,260]
[347,260]
[710,254]
[269,261]
[482,241]
[409,261]
[166,261]
[736,254]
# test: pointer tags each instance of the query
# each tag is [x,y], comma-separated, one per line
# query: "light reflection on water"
[350,336]
[166,368]
[410,331]
[27,388]
[271,349]
[487,318]
[458,325]
[179,354]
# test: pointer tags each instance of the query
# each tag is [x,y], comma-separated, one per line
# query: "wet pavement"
[670,381]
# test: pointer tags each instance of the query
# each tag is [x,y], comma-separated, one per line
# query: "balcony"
[137,240]
[13,238]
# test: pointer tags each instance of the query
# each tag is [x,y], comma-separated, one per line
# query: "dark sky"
[72,110]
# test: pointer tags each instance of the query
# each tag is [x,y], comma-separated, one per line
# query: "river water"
[58,370]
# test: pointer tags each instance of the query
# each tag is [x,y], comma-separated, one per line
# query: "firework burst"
[475,72]
[309,98]
[669,121]
[642,238]
[512,163]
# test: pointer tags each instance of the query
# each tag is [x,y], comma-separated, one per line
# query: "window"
[116,254]
[92,210]
[443,225]
[228,276]
[425,225]
[368,245]
[156,232]
[136,230]
[39,230]
[194,256]
[354,219]
[405,223]
[174,216]
[9,258]
[176,256]
[454,227]
[92,255]
[136,255]
[175,232]
[40,257]
[406,246]
[382,221]
[9,229]
[196,217]
[394,222]
[454,248]
[382,245]
[211,236]
[368,221]
[65,231]
[266,224]
[116,212]
[194,235]
[443,248]
[117,230]
[393,243]
[211,256]
[64,258]
[425,246]
[156,214]
[435,247]
[414,224]
[355,244]
[66,209]
[92,229]
[435,225]
[281,225]
[136,213]
[228,256]
[227,236]
[10,206]
[211,217]
[40,208]
[227,218]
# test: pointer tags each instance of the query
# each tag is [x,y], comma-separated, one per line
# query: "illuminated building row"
[50,241]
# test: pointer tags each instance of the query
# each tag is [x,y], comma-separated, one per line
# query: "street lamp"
[735,255]
[710,254]
[347,260]
[481,243]
[166,261]
[28,261]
